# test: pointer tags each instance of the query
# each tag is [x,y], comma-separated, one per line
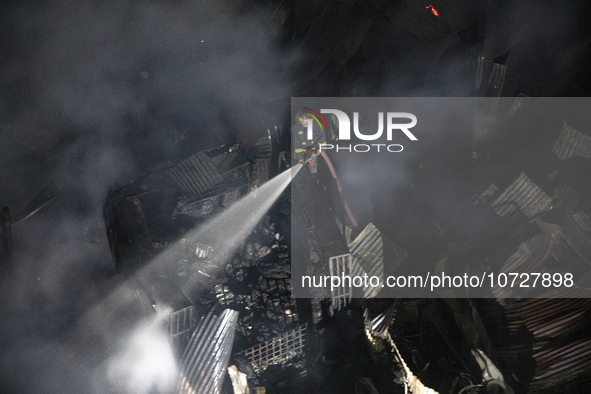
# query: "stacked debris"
[158,208]
[511,218]
[150,215]
[258,284]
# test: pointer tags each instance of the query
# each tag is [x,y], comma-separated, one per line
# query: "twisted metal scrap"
[412,384]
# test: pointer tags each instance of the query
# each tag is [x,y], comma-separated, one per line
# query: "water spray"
[224,232]
[227,230]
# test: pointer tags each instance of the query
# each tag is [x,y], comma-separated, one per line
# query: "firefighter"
[305,150]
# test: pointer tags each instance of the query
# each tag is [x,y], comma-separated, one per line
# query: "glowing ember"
[433,10]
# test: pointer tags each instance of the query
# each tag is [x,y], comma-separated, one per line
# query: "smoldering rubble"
[126,127]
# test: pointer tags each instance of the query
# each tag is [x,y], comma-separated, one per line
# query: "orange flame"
[433,10]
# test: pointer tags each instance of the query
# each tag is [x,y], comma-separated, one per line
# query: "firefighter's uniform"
[301,144]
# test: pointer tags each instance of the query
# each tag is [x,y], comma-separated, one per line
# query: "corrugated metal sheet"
[581,288]
[496,81]
[163,294]
[572,143]
[373,252]
[263,147]
[558,361]
[494,89]
[561,364]
[240,174]
[195,175]
[367,251]
[362,291]
[524,194]
[206,358]
[180,325]
[546,318]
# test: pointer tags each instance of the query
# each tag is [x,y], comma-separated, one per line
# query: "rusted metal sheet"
[547,318]
[374,253]
[558,365]
[557,361]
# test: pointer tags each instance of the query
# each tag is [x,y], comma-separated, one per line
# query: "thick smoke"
[145,361]
[92,95]
[138,79]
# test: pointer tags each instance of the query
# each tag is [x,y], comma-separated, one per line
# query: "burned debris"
[362,338]
[253,283]
[208,264]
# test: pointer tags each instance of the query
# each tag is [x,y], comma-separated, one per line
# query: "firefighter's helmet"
[303,116]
